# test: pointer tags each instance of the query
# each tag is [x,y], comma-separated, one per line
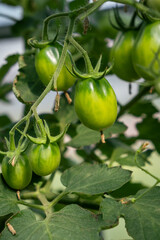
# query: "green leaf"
[8,200]
[126,156]
[110,210]
[27,87]
[11,60]
[149,129]
[143,107]
[86,136]
[72,222]
[143,217]
[3,220]
[128,189]
[94,179]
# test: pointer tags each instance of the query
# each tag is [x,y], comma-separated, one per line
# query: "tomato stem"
[62,58]
[12,141]
[3,153]
[45,203]
[102,137]
[88,64]
[130,88]
[144,170]
[57,199]
[40,123]
[57,102]
[69,99]
[46,21]
[31,205]
[149,189]
[82,12]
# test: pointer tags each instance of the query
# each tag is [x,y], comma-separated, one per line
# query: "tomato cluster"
[42,159]
[95,101]
[136,53]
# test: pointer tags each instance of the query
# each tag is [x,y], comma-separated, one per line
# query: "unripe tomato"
[19,175]
[154,4]
[44,158]
[95,103]
[121,55]
[46,61]
[146,46]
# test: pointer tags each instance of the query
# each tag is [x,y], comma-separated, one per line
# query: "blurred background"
[20,22]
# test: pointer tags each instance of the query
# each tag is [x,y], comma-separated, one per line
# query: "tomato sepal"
[53,139]
[33,42]
[95,74]
[43,138]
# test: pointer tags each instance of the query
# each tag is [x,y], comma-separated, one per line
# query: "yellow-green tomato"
[44,158]
[145,49]
[95,103]
[121,56]
[19,175]
[46,61]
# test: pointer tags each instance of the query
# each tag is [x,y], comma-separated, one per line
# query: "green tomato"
[121,55]
[95,103]
[19,175]
[154,4]
[146,46]
[46,60]
[44,158]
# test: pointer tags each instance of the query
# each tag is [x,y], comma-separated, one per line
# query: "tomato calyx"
[94,74]
[13,154]
[121,26]
[41,44]
[43,135]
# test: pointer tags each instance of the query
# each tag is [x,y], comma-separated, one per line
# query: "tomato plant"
[83,184]
[44,158]
[121,55]
[147,45]
[17,176]
[46,62]
[95,103]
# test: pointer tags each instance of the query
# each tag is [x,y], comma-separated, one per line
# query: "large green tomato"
[95,103]
[19,175]
[46,61]
[121,55]
[44,158]
[144,51]
[154,4]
